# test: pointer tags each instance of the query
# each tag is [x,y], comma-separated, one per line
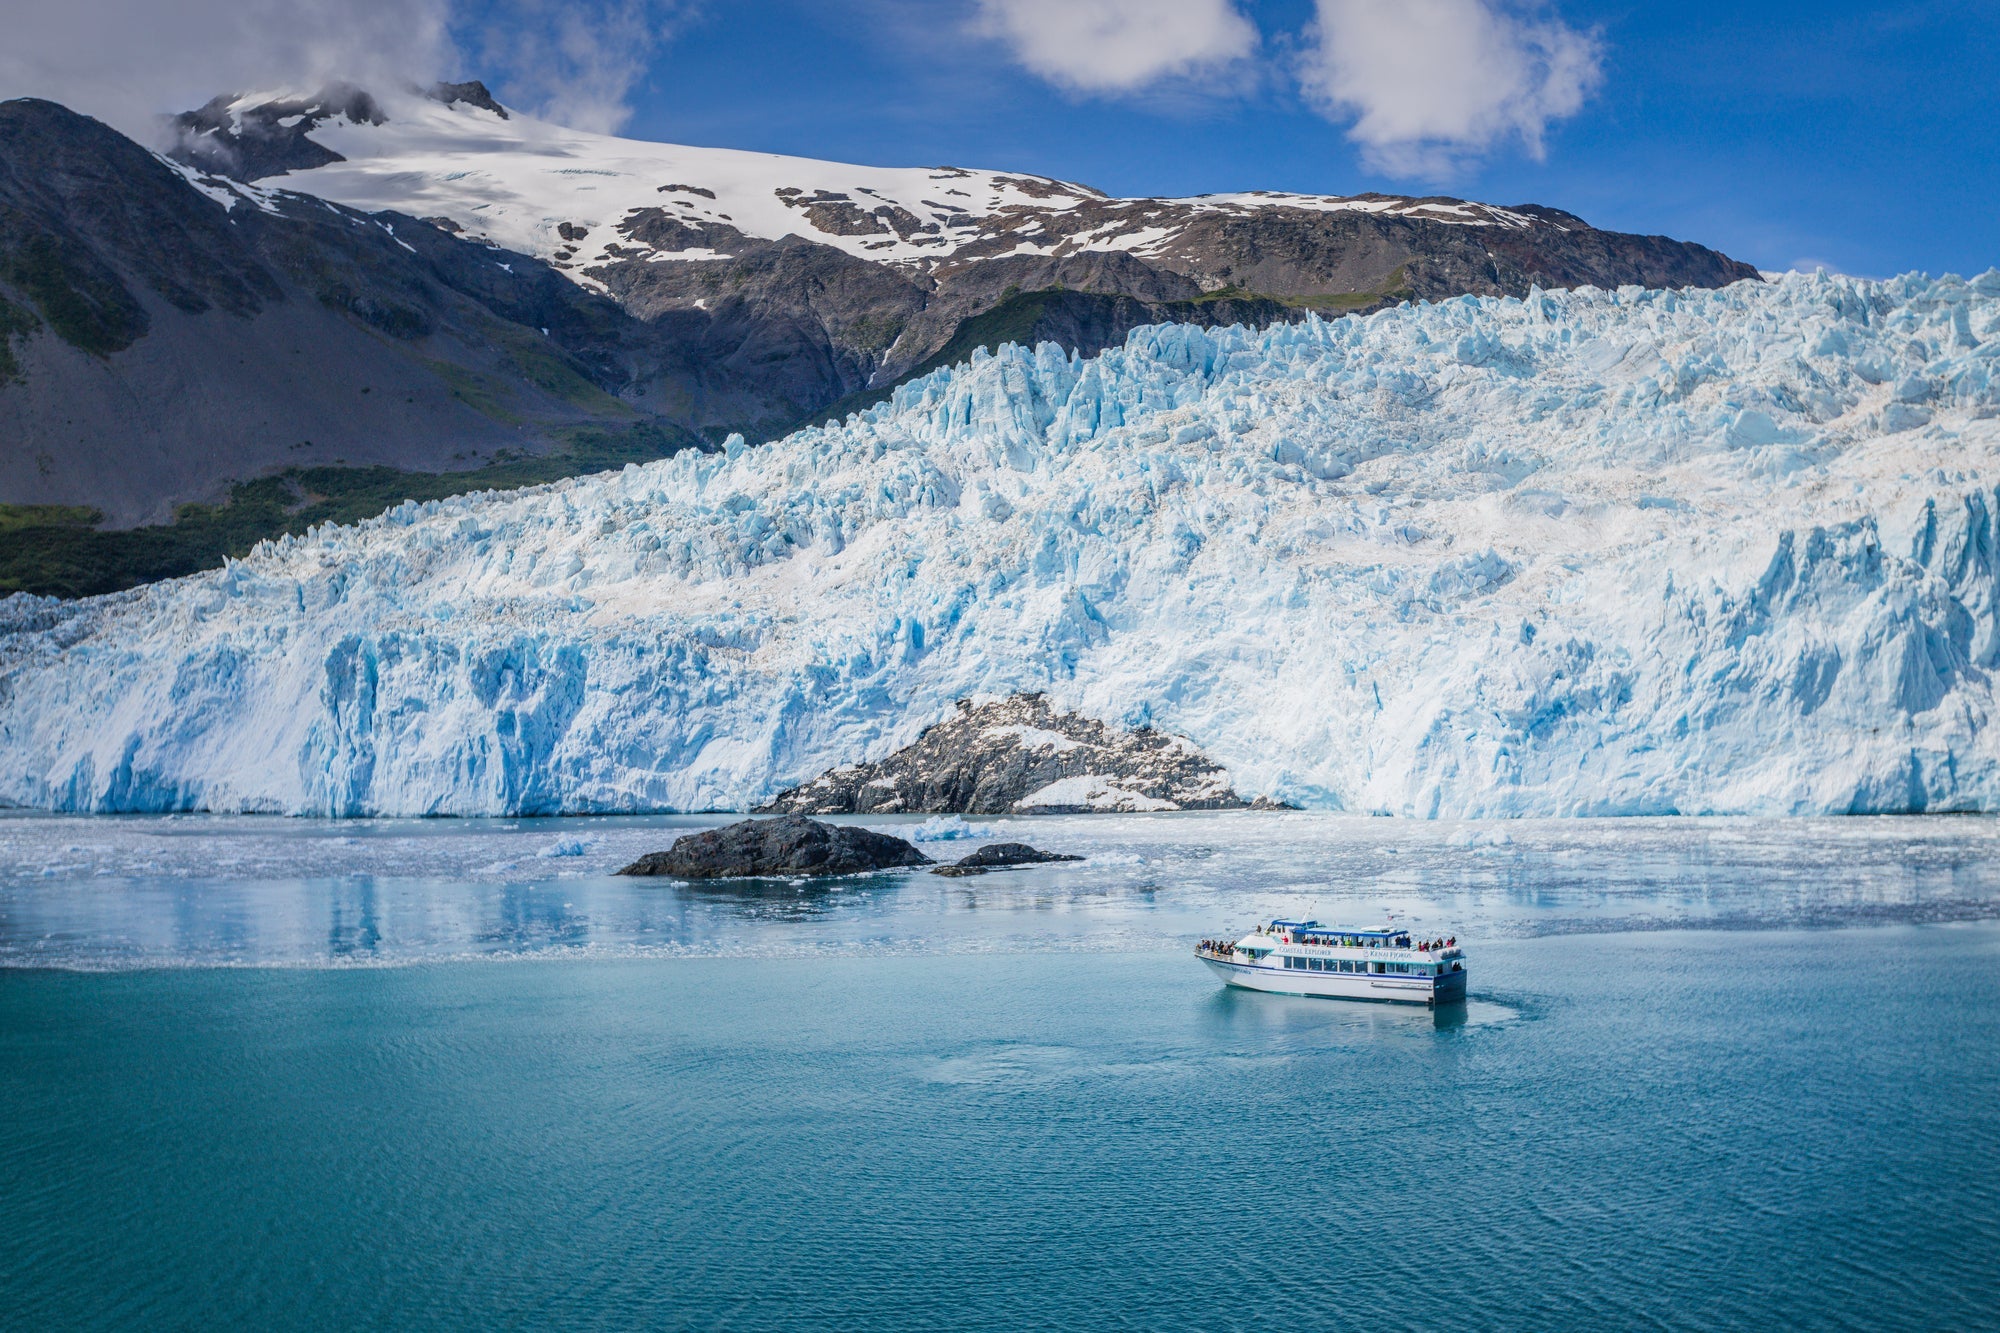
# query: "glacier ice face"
[1587,553]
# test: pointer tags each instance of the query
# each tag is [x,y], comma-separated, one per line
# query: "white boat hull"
[1446,988]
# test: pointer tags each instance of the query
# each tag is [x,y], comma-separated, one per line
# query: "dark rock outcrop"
[1001,856]
[471,93]
[792,845]
[1020,756]
[271,139]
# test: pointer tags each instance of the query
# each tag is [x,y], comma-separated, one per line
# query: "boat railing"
[1429,951]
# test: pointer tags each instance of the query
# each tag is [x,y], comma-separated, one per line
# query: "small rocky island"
[792,845]
[1001,856]
[1020,756]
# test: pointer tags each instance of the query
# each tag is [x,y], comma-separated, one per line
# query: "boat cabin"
[1340,962]
[1309,946]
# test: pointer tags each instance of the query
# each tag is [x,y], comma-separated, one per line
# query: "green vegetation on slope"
[57,550]
[90,311]
[15,322]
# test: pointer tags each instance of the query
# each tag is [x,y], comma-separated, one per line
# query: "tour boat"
[1341,962]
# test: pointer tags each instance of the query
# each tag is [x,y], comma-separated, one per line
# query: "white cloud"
[1429,83]
[573,61]
[1119,46]
[127,61]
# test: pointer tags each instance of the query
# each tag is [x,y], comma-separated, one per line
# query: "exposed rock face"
[1020,756]
[792,845]
[1001,856]
[792,331]
[273,140]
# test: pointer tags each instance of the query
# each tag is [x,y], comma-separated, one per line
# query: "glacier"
[1587,553]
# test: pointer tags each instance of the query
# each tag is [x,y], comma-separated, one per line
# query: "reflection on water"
[800,899]
[122,892]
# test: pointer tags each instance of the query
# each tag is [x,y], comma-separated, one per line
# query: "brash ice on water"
[1588,553]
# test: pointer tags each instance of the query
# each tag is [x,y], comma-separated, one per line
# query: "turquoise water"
[1018,1105]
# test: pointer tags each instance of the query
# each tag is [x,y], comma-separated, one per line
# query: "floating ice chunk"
[944,828]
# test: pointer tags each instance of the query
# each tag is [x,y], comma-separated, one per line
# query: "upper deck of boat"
[1317,938]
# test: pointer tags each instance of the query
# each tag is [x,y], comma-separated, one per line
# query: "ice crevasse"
[1585,553]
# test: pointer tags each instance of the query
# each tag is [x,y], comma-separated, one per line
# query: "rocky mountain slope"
[1020,756]
[797,283]
[1588,553]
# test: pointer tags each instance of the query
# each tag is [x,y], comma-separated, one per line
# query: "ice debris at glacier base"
[1587,553]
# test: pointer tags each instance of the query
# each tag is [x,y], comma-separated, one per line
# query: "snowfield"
[1588,553]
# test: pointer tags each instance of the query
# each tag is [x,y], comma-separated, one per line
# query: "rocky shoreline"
[1019,755]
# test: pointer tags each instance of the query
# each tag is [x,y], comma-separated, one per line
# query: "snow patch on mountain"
[1584,553]
[229,193]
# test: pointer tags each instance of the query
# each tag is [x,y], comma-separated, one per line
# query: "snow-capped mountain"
[798,285]
[1589,552]
[584,200]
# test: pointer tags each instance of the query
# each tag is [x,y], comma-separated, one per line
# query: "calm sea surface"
[1713,1074]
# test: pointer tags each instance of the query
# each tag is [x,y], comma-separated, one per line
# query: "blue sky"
[1862,136]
